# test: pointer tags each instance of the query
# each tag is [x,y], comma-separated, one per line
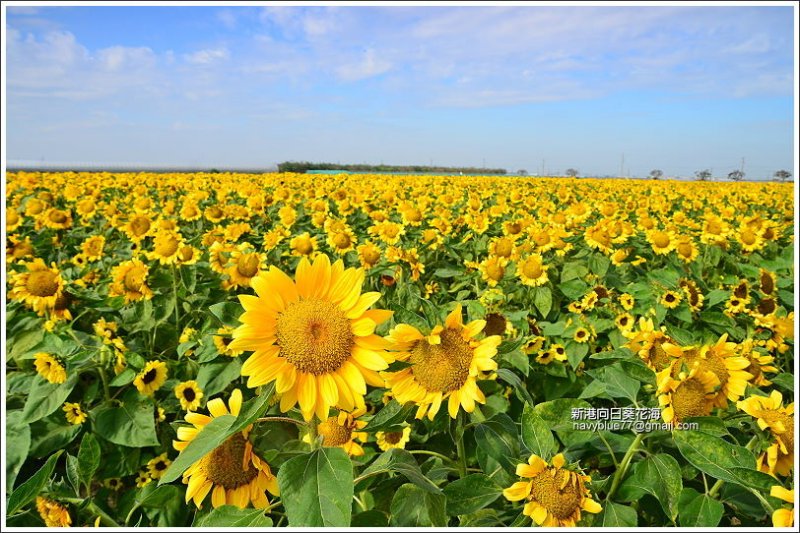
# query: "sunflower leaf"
[45,397]
[210,437]
[536,434]
[470,494]
[26,492]
[392,415]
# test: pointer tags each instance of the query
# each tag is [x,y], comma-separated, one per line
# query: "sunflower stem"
[106,392]
[623,466]
[763,500]
[433,454]
[282,419]
[312,430]
[462,457]
[175,295]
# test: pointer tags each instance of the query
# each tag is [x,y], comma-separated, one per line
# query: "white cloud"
[227,18]
[368,66]
[120,57]
[207,56]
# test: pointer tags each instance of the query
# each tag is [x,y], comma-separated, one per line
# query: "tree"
[783,175]
[571,172]
[656,173]
[703,175]
[522,172]
[736,175]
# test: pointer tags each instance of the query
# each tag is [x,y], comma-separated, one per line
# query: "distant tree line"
[304,166]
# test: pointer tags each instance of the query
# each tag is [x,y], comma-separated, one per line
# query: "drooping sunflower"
[393,439]
[313,336]
[53,513]
[783,517]
[50,368]
[694,298]
[444,365]
[647,342]
[189,395]
[554,496]
[188,255]
[233,473]
[152,376]
[342,431]
[39,287]
[770,413]
[130,281]
[74,413]
[687,395]
[759,363]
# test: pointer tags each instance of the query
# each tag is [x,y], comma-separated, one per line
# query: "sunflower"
[501,247]
[341,240]
[734,306]
[245,264]
[222,340]
[770,413]
[188,255]
[387,231]
[624,321]
[532,271]
[166,247]
[556,352]
[143,478]
[581,335]
[693,295]
[393,439]
[687,395]
[57,218]
[626,301]
[759,363]
[113,483]
[767,281]
[742,291]
[17,248]
[13,220]
[53,513]
[445,364]
[721,360]
[74,413]
[313,336]
[92,248]
[138,227]
[39,287]
[670,299]
[663,242]
[304,245]
[648,343]
[554,496]
[493,269]
[686,250]
[369,254]
[619,256]
[782,517]
[152,376]
[533,345]
[50,368]
[189,394]
[341,431]
[158,465]
[750,239]
[233,473]
[130,281]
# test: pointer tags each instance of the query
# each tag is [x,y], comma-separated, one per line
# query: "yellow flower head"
[152,376]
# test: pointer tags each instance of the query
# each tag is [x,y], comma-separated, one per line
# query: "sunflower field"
[221,349]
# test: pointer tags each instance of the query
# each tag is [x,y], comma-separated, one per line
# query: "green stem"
[623,467]
[462,457]
[608,446]
[106,392]
[282,419]
[312,430]
[93,508]
[433,454]
[763,500]
[175,295]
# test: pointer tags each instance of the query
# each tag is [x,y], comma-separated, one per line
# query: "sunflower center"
[189,394]
[740,291]
[495,271]
[58,217]
[766,306]
[134,279]
[559,502]
[341,240]
[442,367]
[711,363]
[303,247]
[149,376]
[685,249]
[541,238]
[371,256]
[186,253]
[689,399]
[748,237]
[661,239]
[658,357]
[495,324]
[247,266]
[333,434]
[214,212]
[514,228]
[669,298]
[167,246]
[140,226]
[414,215]
[223,466]
[42,283]
[314,335]
[767,285]
[503,248]
[393,437]
[532,268]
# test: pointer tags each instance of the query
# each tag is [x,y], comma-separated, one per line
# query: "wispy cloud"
[367,66]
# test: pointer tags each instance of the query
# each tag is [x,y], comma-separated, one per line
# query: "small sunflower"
[750,239]
[648,343]
[554,496]
[444,365]
[532,271]
[166,247]
[769,412]
[245,264]
[624,321]
[158,465]
[53,513]
[670,299]
[342,431]
[626,301]
[92,248]
[74,413]
[189,394]
[369,254]
[304,245]
[313,336]
[188,255]
[393,439]
[143,478]
[783,517]
[57,218]
[581,335]
[233,473]
[686,249]
[767,281]
[694,298]
[493,269]
[38,287]
[223,339]
[152,376]
[663,242]
[130,281]
[50,368]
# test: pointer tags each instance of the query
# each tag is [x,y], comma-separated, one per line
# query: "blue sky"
[678,88]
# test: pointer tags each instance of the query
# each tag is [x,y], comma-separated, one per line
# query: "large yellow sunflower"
[233,473]
[554,496]
[313,336]
[445,364]
[50,368]
[39,287]
[130,281]
[770,413]
[686,395]
[532,271]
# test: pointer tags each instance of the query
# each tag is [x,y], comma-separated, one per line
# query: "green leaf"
[659,475]
[699,510]
[447,272]
[26,492]
[402,462]
[227,313]
[123,378]
[619,353]
[576,351]
[372,519]
[390,417]
[130,424]
[618,515]
[498,443]
[712,425]
[543,300]
[213,378]
[716,296]
[573,270]
[232,516]
[88,459]
[24,344]
[470,494]
[18,443]
[574,289]
[73,476]
[207,440]
[512,379]
[617,382]
[48,435]
[536,434]
[784,381]
[413,507]
[598,263]
[45,397]
[720,459]
[317,488]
